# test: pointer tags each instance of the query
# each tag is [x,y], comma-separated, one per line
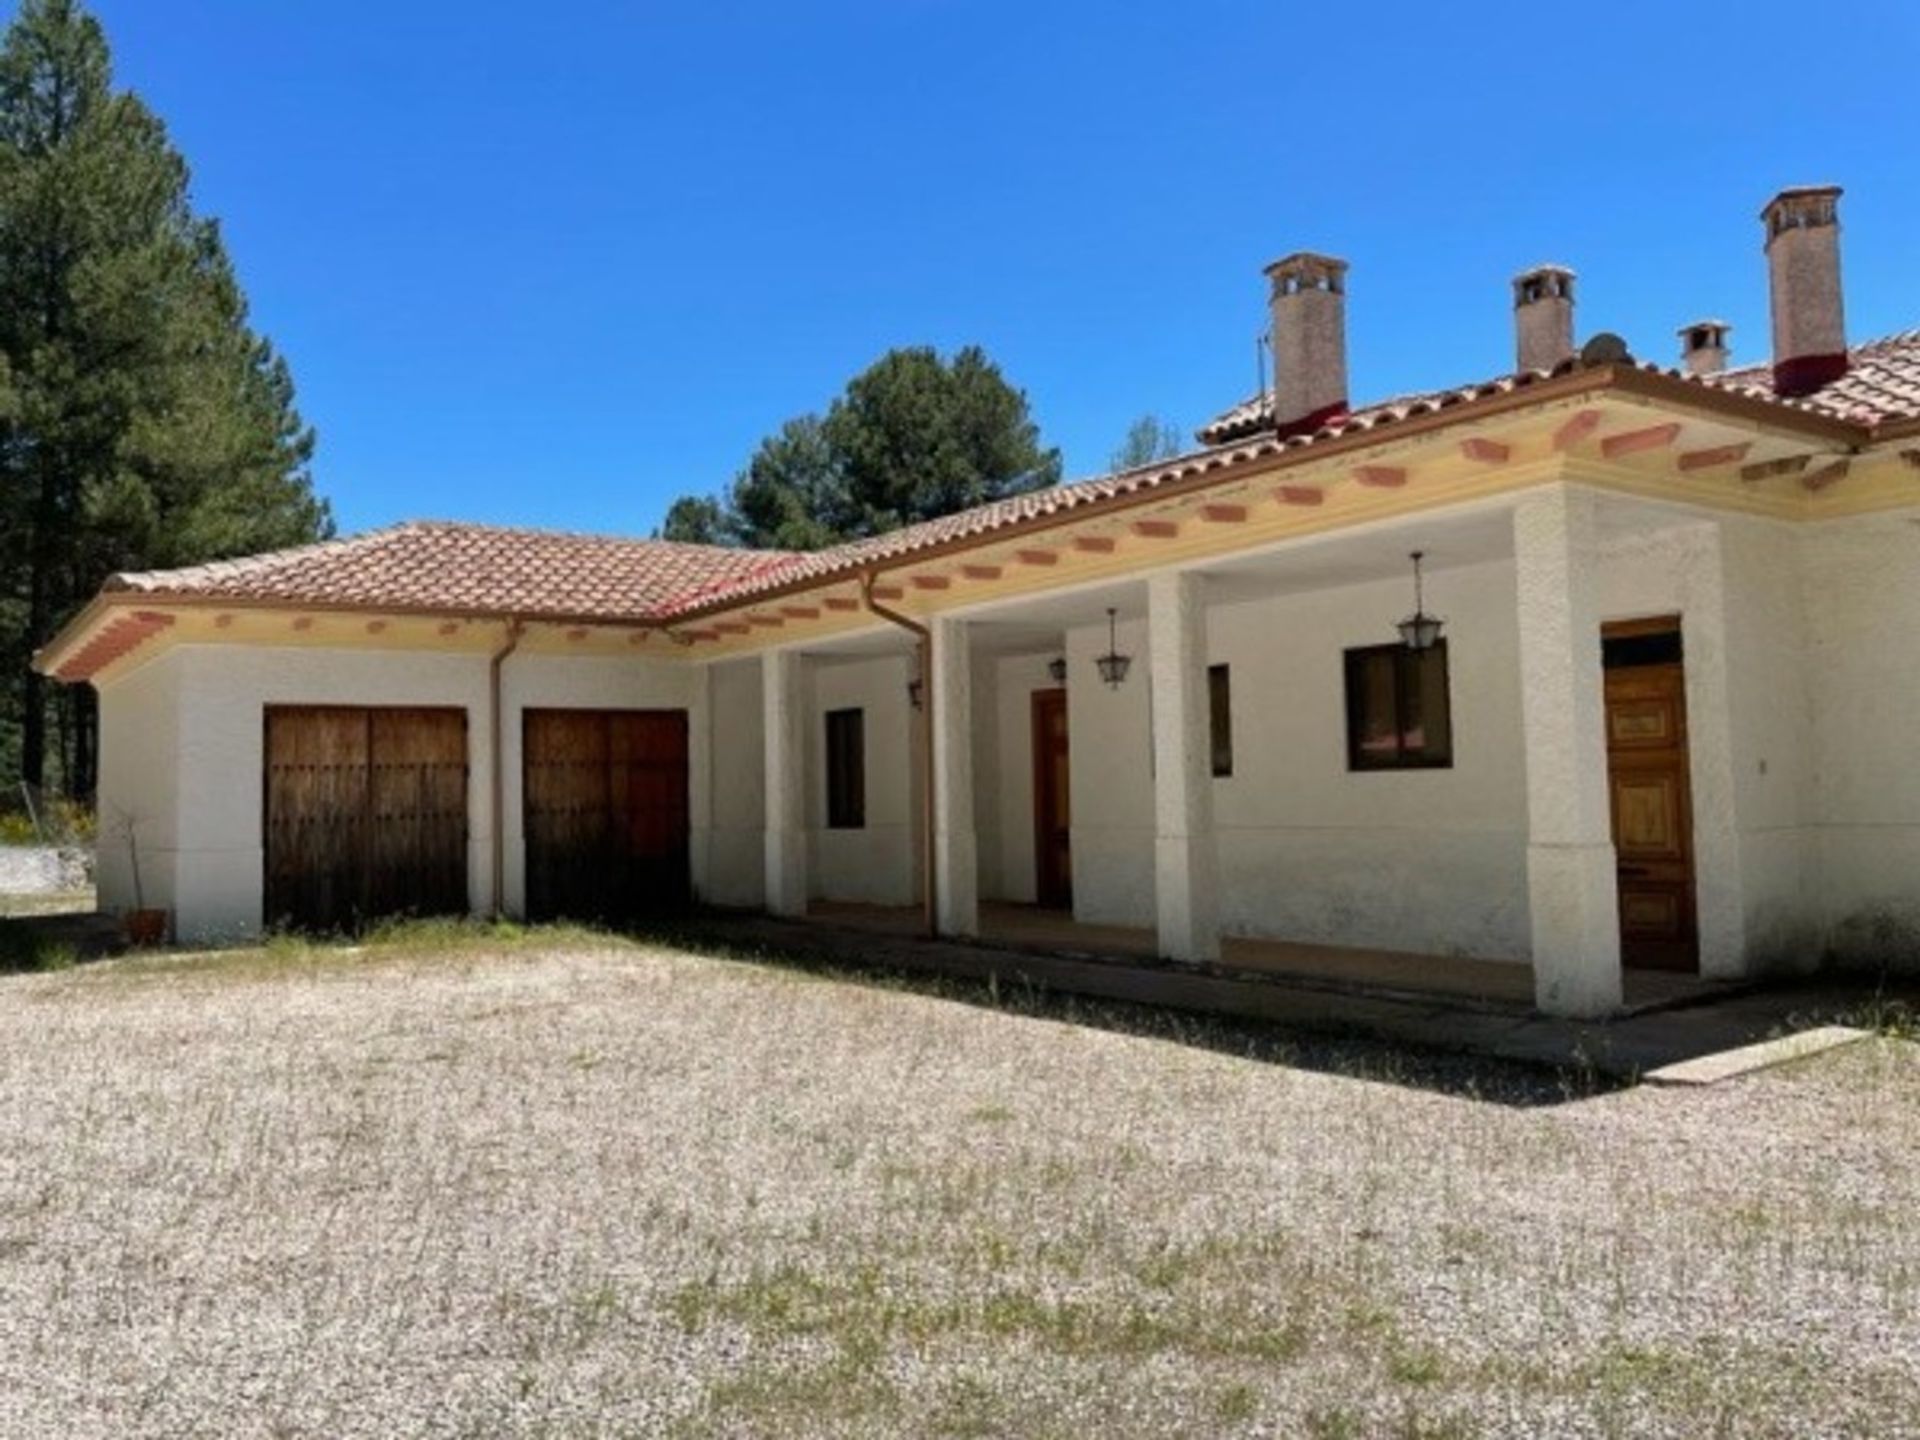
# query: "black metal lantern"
[1057,669]
[1113,665]
[1420,630]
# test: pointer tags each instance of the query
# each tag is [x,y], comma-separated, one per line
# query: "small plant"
[144,926]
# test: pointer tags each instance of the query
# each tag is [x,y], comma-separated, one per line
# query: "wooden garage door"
[605,813]
[366,814]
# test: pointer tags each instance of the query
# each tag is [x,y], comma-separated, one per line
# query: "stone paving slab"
[1745,1059]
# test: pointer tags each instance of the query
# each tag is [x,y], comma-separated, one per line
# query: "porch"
[1459,981]
[1159,764]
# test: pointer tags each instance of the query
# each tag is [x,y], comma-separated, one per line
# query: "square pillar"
[1571,882]
[1186,885]
[783,700]
[956,874]
[699,778]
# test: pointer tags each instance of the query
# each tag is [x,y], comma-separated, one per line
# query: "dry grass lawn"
[563,1187]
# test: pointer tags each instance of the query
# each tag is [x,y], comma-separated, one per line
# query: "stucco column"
[783,698]
[699,777]
[955,850]
[1186,887]
[1571,883]
[1720,905]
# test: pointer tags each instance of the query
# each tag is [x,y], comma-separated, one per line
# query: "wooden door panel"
[417,838]
[1052,800]
[1649,816]
[1648,788]
[365,814]
[606,813]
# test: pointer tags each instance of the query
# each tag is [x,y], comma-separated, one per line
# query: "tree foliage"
[142,421]
[1148,439]
[912,437]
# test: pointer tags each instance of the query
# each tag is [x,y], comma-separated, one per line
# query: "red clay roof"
[442,566]
[1882,383]
[481,569]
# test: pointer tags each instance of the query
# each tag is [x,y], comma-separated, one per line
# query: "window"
[846,769]
[1397,709]
[1220,718]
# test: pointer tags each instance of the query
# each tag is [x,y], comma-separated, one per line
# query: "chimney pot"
[1803,273]
[1543,317]
[1308,305]
[1703,346]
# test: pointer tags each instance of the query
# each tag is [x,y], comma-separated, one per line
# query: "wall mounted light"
[1057,669]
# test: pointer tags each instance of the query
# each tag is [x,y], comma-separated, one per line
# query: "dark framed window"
[1398,712]
[1220,717]
[846,769]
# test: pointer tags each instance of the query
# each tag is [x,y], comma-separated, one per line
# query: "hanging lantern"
[1420,630]
[1113,665]
[1057,669]
[917,693]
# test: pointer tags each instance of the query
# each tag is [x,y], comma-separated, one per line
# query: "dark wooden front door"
[1650,796]
[606,813]
[1052,800]
[365,814]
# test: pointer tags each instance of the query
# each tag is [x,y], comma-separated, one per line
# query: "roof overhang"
[1640,430]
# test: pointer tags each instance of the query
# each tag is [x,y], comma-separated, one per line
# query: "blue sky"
[556,264]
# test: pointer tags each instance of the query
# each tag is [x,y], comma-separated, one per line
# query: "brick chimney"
[1542,317]
[1803,273]
[1703,347]
[1309,306]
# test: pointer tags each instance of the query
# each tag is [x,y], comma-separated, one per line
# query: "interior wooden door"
[1052,800]
[1652,814]
[606,814]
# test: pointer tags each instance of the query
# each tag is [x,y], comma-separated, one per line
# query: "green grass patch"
[23,950]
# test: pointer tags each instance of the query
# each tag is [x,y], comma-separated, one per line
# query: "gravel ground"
[601,1190]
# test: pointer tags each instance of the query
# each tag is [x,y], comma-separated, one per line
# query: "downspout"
[925,647]
[515,629]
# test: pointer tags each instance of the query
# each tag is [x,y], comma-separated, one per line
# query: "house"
[1664,719]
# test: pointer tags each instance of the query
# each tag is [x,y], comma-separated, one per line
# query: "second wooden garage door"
[605,813]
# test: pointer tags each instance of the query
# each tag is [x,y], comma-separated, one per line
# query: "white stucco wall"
[183,741]
[1861,585]
[736,849]
[1803,681]
[875,864]
[218,758]
[140,786]
[1307,849]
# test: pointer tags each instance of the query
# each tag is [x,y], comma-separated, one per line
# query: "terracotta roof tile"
[1882,383]
[442,566]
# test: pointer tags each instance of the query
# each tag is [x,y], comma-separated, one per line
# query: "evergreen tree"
[911,438]
[1148,439]
[142,422]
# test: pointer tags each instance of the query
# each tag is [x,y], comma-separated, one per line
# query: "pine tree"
[142,422]
[911,438]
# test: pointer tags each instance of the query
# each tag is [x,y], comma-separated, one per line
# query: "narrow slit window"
[1399,716]
[846,769]
[1220,717]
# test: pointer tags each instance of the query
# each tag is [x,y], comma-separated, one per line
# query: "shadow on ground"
[1520,1061]
[1348,1052]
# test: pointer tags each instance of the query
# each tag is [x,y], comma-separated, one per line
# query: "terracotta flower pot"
[146,927]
